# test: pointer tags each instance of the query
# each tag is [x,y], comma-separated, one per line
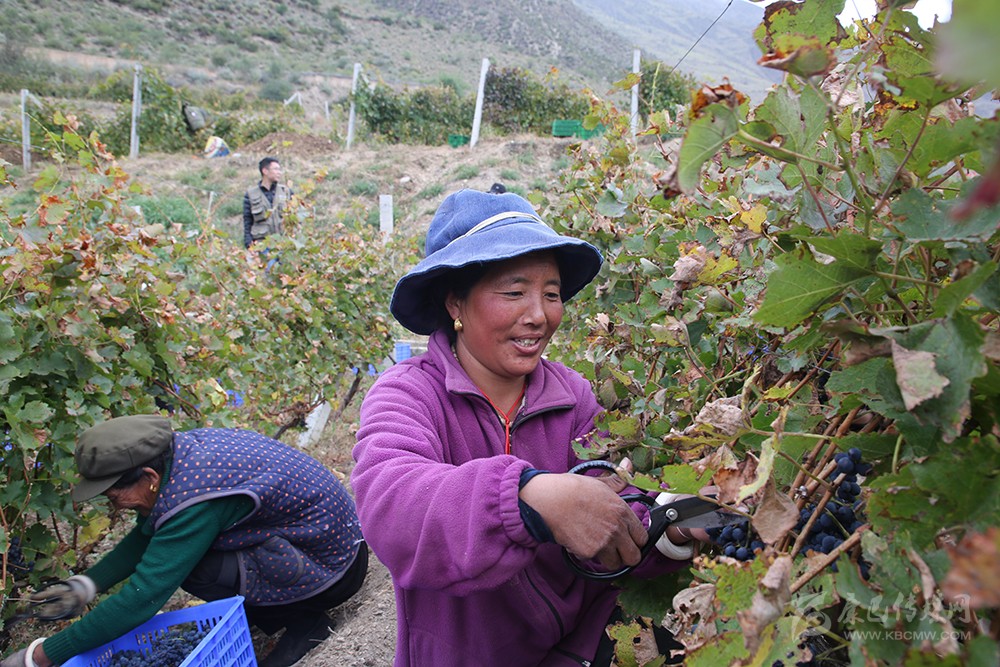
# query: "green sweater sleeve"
[157,563]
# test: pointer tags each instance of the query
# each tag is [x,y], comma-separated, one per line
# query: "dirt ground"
[364,632]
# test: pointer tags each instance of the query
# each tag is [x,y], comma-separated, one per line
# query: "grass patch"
[509,175]
[363,188]
[230,207]
[466,171]
[200,179]
[431,191]
[168,210]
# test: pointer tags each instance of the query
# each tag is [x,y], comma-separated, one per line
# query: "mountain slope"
[667,29]
[246,43]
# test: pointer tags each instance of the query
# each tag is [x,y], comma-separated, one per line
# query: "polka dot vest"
[303,532]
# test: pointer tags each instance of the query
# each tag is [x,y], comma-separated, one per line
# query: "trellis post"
[26,128]
[385,214]
[479,103]
[634,118]
[133,145]
[350,116]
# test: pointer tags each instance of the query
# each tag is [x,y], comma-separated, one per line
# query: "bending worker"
[221,512]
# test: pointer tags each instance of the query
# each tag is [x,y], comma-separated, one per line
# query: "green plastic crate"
[566,128]
[584,133]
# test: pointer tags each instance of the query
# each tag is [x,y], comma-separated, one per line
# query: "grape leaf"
[925,219]
[801,285]
[968,49]
[705,136]
[916,375]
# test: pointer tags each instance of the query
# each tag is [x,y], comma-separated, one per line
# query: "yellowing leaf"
[754,218]
[778,393]
[95,530]
[768,450]
[715,267]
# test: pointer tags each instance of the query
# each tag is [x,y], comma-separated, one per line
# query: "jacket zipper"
[548,603]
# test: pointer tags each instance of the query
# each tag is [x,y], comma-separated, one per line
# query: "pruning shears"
[60,603]
[690,512]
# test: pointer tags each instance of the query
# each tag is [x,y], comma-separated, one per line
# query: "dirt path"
[365,630]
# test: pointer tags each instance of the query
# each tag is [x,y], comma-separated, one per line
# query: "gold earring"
[458,325]
[153,488]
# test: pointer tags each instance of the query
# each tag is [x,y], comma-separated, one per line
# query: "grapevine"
[799,307]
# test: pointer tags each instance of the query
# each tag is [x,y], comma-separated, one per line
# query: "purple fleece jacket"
[437,500]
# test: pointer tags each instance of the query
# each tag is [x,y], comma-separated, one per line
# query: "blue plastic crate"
[227,644]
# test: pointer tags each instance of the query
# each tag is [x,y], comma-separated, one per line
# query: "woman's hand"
[33,656]
[586,515]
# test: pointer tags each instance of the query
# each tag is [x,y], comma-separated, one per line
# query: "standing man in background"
[264,203]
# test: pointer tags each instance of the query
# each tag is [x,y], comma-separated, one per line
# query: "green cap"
[106,451]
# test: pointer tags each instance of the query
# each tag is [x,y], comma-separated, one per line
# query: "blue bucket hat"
[472,227]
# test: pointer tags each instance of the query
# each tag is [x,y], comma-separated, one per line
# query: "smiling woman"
[475,439]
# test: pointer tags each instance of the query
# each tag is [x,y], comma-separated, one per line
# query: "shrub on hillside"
[516,101]
[662,87]
[426,115]
[161,125]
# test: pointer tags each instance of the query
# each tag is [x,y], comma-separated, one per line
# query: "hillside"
[234,44]
[667,29]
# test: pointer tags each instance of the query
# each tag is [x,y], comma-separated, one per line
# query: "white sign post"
[635,92]
[350,116]
[479,103]
[385,214]
[133,146]
[26,128]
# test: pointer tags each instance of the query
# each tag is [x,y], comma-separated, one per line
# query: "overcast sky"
[925,10]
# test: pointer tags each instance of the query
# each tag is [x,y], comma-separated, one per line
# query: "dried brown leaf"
[974,578]
[769,602]
[775,516]
[731,480]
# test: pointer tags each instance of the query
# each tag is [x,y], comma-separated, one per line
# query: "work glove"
[22,658]
[64,599]
[664,545]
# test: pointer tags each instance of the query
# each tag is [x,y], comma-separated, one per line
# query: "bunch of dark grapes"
[17,567]
[842,514]
[170,650]
[736,540]
[840,517]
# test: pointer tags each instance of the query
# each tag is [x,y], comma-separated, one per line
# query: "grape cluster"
[736,540]
[17,567]
[170,650]
[841,516]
